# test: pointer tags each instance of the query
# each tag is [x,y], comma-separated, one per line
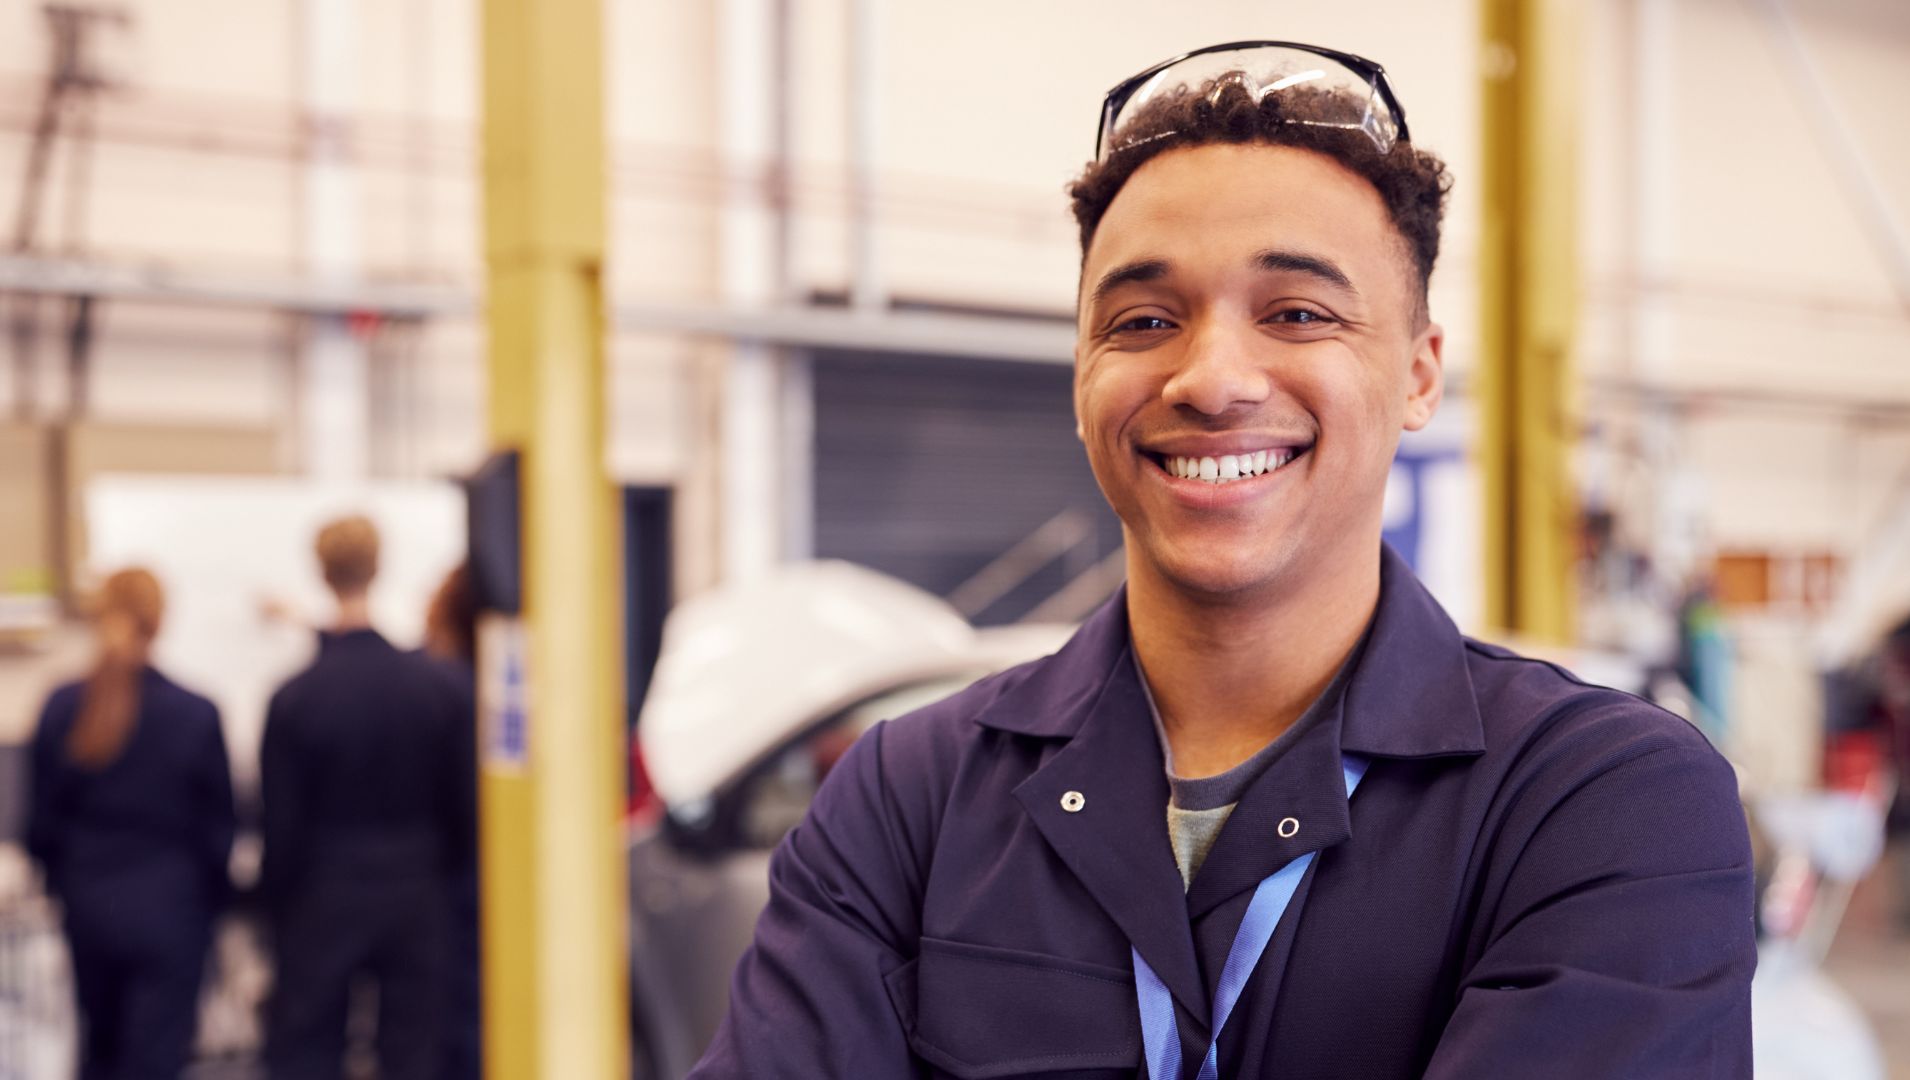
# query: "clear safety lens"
[1356,104]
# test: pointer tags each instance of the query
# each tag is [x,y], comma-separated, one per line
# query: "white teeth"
[1228,467]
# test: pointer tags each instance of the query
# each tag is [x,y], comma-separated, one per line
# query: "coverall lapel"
[1302,793]
[1116,841]
[1405,695]
[1408,696]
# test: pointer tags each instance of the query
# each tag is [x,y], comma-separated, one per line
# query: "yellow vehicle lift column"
[555,967]
[1528,313]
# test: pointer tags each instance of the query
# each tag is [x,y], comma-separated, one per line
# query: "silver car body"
[757,686]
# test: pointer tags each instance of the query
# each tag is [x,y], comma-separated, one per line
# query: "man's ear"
[1426,379]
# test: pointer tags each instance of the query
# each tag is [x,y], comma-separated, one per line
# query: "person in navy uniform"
[450,641]
[131,817]
[365,777]
[1268,813]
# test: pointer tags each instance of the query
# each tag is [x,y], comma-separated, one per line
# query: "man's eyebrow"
[1128,274]
[1295,262]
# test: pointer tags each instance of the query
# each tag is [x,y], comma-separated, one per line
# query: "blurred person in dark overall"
[365,783]
[450,640]
[1889,716]
[132,818]
[1867,744]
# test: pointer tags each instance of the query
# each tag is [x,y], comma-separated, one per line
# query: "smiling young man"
[1267,813]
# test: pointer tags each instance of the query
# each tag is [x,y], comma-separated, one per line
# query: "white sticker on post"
[504,699]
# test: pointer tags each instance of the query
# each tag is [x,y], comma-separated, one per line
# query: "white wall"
[223,548]
[1775,288]
[985,110]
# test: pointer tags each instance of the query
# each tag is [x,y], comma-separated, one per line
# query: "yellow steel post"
[555,977]
[1527,296]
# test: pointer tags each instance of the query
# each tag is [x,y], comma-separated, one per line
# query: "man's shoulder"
[423,670]
[938,736]
[296,686]
[910,767]
[307,690]
[1542,714]
[456,677]
[1586,784]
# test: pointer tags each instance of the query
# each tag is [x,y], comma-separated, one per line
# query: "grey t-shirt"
[1198,807]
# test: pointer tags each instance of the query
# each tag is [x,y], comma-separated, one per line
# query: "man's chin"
[1228,575]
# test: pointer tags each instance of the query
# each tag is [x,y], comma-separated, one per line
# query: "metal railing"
[37,1022]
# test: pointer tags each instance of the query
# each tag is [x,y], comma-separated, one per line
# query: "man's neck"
[354,613]
[1230,675]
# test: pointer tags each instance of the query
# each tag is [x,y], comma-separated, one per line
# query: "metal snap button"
[1289,828]
[1073,801]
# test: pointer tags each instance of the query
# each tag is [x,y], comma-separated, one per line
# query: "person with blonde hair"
[131,817]
[365,778]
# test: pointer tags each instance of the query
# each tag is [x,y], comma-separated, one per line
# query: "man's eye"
[1142,324]
[1300,317]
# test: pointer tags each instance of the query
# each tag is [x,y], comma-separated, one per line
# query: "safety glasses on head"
[1356,95]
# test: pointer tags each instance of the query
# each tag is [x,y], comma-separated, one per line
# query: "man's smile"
[1226,468]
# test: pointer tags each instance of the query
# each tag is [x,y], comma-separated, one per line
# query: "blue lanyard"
[1160,1036]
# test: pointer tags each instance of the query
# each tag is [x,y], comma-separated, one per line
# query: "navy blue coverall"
[136,853]
[463,1054]
[1536,878]
[365,775]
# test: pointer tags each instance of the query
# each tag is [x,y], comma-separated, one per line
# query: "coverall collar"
[1100,801]
[1410,694]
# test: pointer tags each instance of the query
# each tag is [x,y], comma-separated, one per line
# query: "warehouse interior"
[271,262]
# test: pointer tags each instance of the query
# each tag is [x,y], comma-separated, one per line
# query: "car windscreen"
[777,794]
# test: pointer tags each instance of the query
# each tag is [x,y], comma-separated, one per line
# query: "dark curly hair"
[1411,182]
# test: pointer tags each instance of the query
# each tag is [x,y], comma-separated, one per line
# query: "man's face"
[1248,312]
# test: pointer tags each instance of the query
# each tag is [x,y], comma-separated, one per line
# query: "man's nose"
[1221,367]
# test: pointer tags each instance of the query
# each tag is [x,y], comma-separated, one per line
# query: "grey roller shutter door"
[929,468]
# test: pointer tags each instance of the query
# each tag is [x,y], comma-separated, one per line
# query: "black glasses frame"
[1372,72]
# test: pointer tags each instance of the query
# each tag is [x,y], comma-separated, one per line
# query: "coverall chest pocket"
[973,1011]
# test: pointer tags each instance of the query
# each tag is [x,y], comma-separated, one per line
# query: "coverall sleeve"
[282,807]
[461,793]
[217,818]
[809,999]
[1622,943]
[45,764]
